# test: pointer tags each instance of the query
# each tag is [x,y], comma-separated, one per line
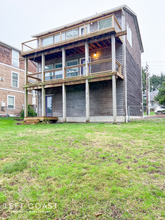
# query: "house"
[88,70]
[12,79]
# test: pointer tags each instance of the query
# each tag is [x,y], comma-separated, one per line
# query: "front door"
[48,106]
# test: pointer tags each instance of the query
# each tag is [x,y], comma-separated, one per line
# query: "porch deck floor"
[42,118]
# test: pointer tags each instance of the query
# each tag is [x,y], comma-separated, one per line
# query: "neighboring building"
[12,79]
[89,70]
[154,104]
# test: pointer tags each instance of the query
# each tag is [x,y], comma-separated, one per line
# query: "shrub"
[31,112]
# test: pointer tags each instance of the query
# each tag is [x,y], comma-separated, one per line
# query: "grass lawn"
[78,171]
[151,113]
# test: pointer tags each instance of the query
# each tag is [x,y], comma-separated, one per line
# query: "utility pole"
[147,87]
[148,95]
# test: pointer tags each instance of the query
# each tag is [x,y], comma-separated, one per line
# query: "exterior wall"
[133,69]
[6,88]
[100,96]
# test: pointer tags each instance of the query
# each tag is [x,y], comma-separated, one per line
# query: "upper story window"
[10,102]
[72,71]
[47,40]
[129,35]
[15,58]
[105,23]
[15,80]
[72,33]
[49,75]
[58,74]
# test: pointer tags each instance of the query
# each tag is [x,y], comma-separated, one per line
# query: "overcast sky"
[20,19]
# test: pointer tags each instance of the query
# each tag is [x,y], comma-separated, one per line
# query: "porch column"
[25,90]
[63,85]
[87,82]
[113,52]
[43,87]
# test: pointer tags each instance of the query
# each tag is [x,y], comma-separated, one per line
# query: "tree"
[161,95]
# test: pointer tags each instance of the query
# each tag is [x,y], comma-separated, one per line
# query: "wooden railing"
[37,42]
[90,72]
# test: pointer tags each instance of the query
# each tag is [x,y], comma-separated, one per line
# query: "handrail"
[69,28]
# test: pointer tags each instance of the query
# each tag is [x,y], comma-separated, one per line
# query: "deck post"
[87,82]
[114,79]
[63,85]
[43,87]
[43,101]
[26,91]
[43,67]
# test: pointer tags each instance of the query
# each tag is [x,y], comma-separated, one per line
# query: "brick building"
[12,79]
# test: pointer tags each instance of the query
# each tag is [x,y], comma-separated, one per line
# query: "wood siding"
[134,92]
[100,94]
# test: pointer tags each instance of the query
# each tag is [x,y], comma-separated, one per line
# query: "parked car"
[160,110]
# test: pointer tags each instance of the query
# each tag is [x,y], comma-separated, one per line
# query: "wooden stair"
[31,121]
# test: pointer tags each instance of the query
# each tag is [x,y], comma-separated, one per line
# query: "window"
[72,71]
[57,38]
[63,35]
[105,23]
[47,40]
[15,80]
[71,33]
[49,76]
[129,35]
[15,58]
[10,102]
[81,30]
[58,74]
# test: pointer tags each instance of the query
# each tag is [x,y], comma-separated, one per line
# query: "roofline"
[136,26]
[9,46]
[79,21]
[98,15]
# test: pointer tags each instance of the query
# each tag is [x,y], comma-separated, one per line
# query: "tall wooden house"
[88,70]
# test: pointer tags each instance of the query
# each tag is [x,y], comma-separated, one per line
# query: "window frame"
[15,58]
[14,102]
[50,73]
[59,70]
[87,28]
[84,66]
[12,80]
[72,66]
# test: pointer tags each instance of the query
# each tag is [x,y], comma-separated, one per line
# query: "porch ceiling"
[94,45]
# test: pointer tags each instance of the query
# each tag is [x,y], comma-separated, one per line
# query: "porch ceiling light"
[95,54]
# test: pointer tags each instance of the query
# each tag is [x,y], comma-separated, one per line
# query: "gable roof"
[122,7]
[9,46]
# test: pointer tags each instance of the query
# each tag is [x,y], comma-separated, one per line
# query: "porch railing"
[57,38]
[95,67]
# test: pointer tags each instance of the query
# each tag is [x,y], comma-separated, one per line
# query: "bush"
[31,112]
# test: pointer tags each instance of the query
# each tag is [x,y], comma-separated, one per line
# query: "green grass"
[151,113]
[76,171]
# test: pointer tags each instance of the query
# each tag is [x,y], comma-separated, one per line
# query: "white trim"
[14,67]
[12,90]
[84,63]
[12,80]
[87,26]
[14,102]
